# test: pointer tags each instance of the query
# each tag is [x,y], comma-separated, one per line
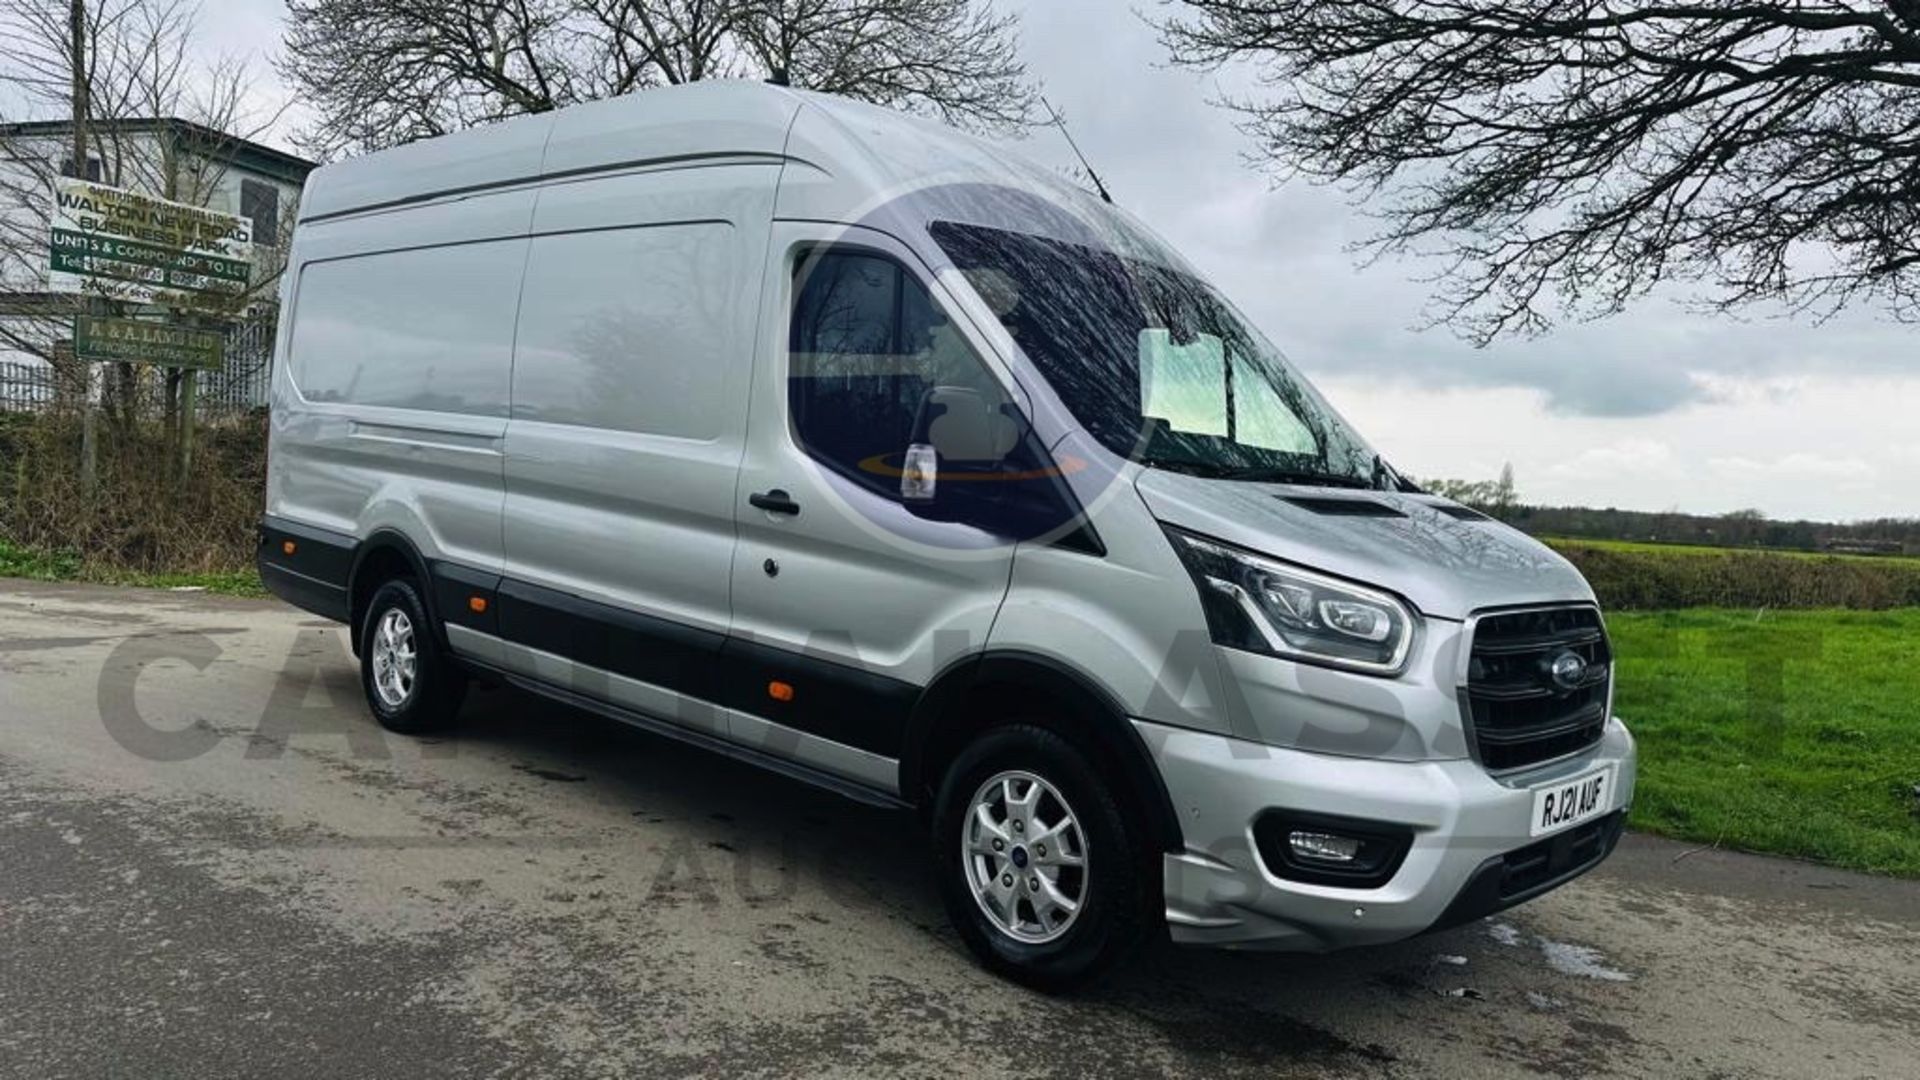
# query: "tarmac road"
[259,882]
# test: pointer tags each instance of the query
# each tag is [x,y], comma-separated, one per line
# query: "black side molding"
[827,697]
[784,766]
[306,566]
[466,597]
[683,659]
[831,698]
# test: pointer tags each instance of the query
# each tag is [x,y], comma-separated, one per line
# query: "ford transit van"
[862,450]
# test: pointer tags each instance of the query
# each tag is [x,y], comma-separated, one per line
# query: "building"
[165,157]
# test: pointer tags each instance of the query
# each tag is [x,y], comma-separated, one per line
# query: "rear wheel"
[1037,868]
[411,686]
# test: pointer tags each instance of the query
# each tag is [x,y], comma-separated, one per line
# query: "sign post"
[108,243]
[135,248]
[82,93]
[99,339]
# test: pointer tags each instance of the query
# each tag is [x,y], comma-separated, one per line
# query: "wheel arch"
[949,712]
[385,554]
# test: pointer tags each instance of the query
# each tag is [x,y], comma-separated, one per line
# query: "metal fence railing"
[244,383]
[240,386]
[26,387]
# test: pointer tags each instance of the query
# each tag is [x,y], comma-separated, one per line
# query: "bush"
[1653,580]
[142,518]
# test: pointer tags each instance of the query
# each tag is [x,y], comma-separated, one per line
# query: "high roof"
[866,149]
[698,120]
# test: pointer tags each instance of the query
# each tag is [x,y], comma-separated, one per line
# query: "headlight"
[1264,605]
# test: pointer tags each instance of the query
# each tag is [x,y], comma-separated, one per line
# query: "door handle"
[774,502]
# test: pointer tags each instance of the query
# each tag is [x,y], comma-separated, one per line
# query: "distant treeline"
[1742,529]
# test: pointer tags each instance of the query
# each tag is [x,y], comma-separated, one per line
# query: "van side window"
[426,328]
[867,343]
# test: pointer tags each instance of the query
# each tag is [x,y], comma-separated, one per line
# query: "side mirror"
[957,427]
[920,474]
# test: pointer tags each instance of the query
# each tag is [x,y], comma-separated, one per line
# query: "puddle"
[1580,961]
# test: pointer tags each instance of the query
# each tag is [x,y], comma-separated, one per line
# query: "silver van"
[846,444]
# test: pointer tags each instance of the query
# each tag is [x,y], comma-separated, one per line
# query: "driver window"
[875,363]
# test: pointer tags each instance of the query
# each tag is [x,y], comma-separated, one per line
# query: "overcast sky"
[1660,408]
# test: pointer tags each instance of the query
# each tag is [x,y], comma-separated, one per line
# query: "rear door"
[630,377]
[846,603]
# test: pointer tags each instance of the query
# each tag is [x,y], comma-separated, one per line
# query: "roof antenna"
[1061,123]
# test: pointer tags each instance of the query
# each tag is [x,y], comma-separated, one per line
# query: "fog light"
[1323,847]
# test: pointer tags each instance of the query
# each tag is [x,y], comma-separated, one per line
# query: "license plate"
[1570,802]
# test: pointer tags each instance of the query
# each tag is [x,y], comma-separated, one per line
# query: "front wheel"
[1037,868]
[410,685]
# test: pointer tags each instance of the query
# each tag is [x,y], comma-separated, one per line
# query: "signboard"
[127,246]
[137,341]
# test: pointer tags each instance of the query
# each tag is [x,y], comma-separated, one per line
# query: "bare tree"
[383,72]
[655,42]
[139,69]
[1573,154]
[954,58]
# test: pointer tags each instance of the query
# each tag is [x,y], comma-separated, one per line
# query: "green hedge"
[1655,580]
[142,519]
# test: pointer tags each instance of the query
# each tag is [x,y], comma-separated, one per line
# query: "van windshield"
[1155,365]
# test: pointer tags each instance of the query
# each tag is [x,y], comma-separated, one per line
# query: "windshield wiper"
[1268,474]
[1305,477]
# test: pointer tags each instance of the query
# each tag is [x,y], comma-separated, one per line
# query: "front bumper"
[1471,852]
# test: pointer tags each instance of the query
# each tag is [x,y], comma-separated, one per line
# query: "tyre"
[411,686]
[1036,865]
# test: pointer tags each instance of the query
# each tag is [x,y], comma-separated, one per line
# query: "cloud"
[1798,466]
[1282,253]
[1628,456]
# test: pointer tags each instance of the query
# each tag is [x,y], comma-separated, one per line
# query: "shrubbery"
[1656,580]
[142,518]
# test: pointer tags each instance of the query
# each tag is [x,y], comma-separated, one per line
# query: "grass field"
[1795,733]
[16,561]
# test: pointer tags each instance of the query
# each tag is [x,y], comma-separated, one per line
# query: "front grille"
[1517,713]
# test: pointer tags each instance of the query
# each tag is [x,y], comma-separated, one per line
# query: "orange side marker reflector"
[780,691]
[288,547]
[477,605]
